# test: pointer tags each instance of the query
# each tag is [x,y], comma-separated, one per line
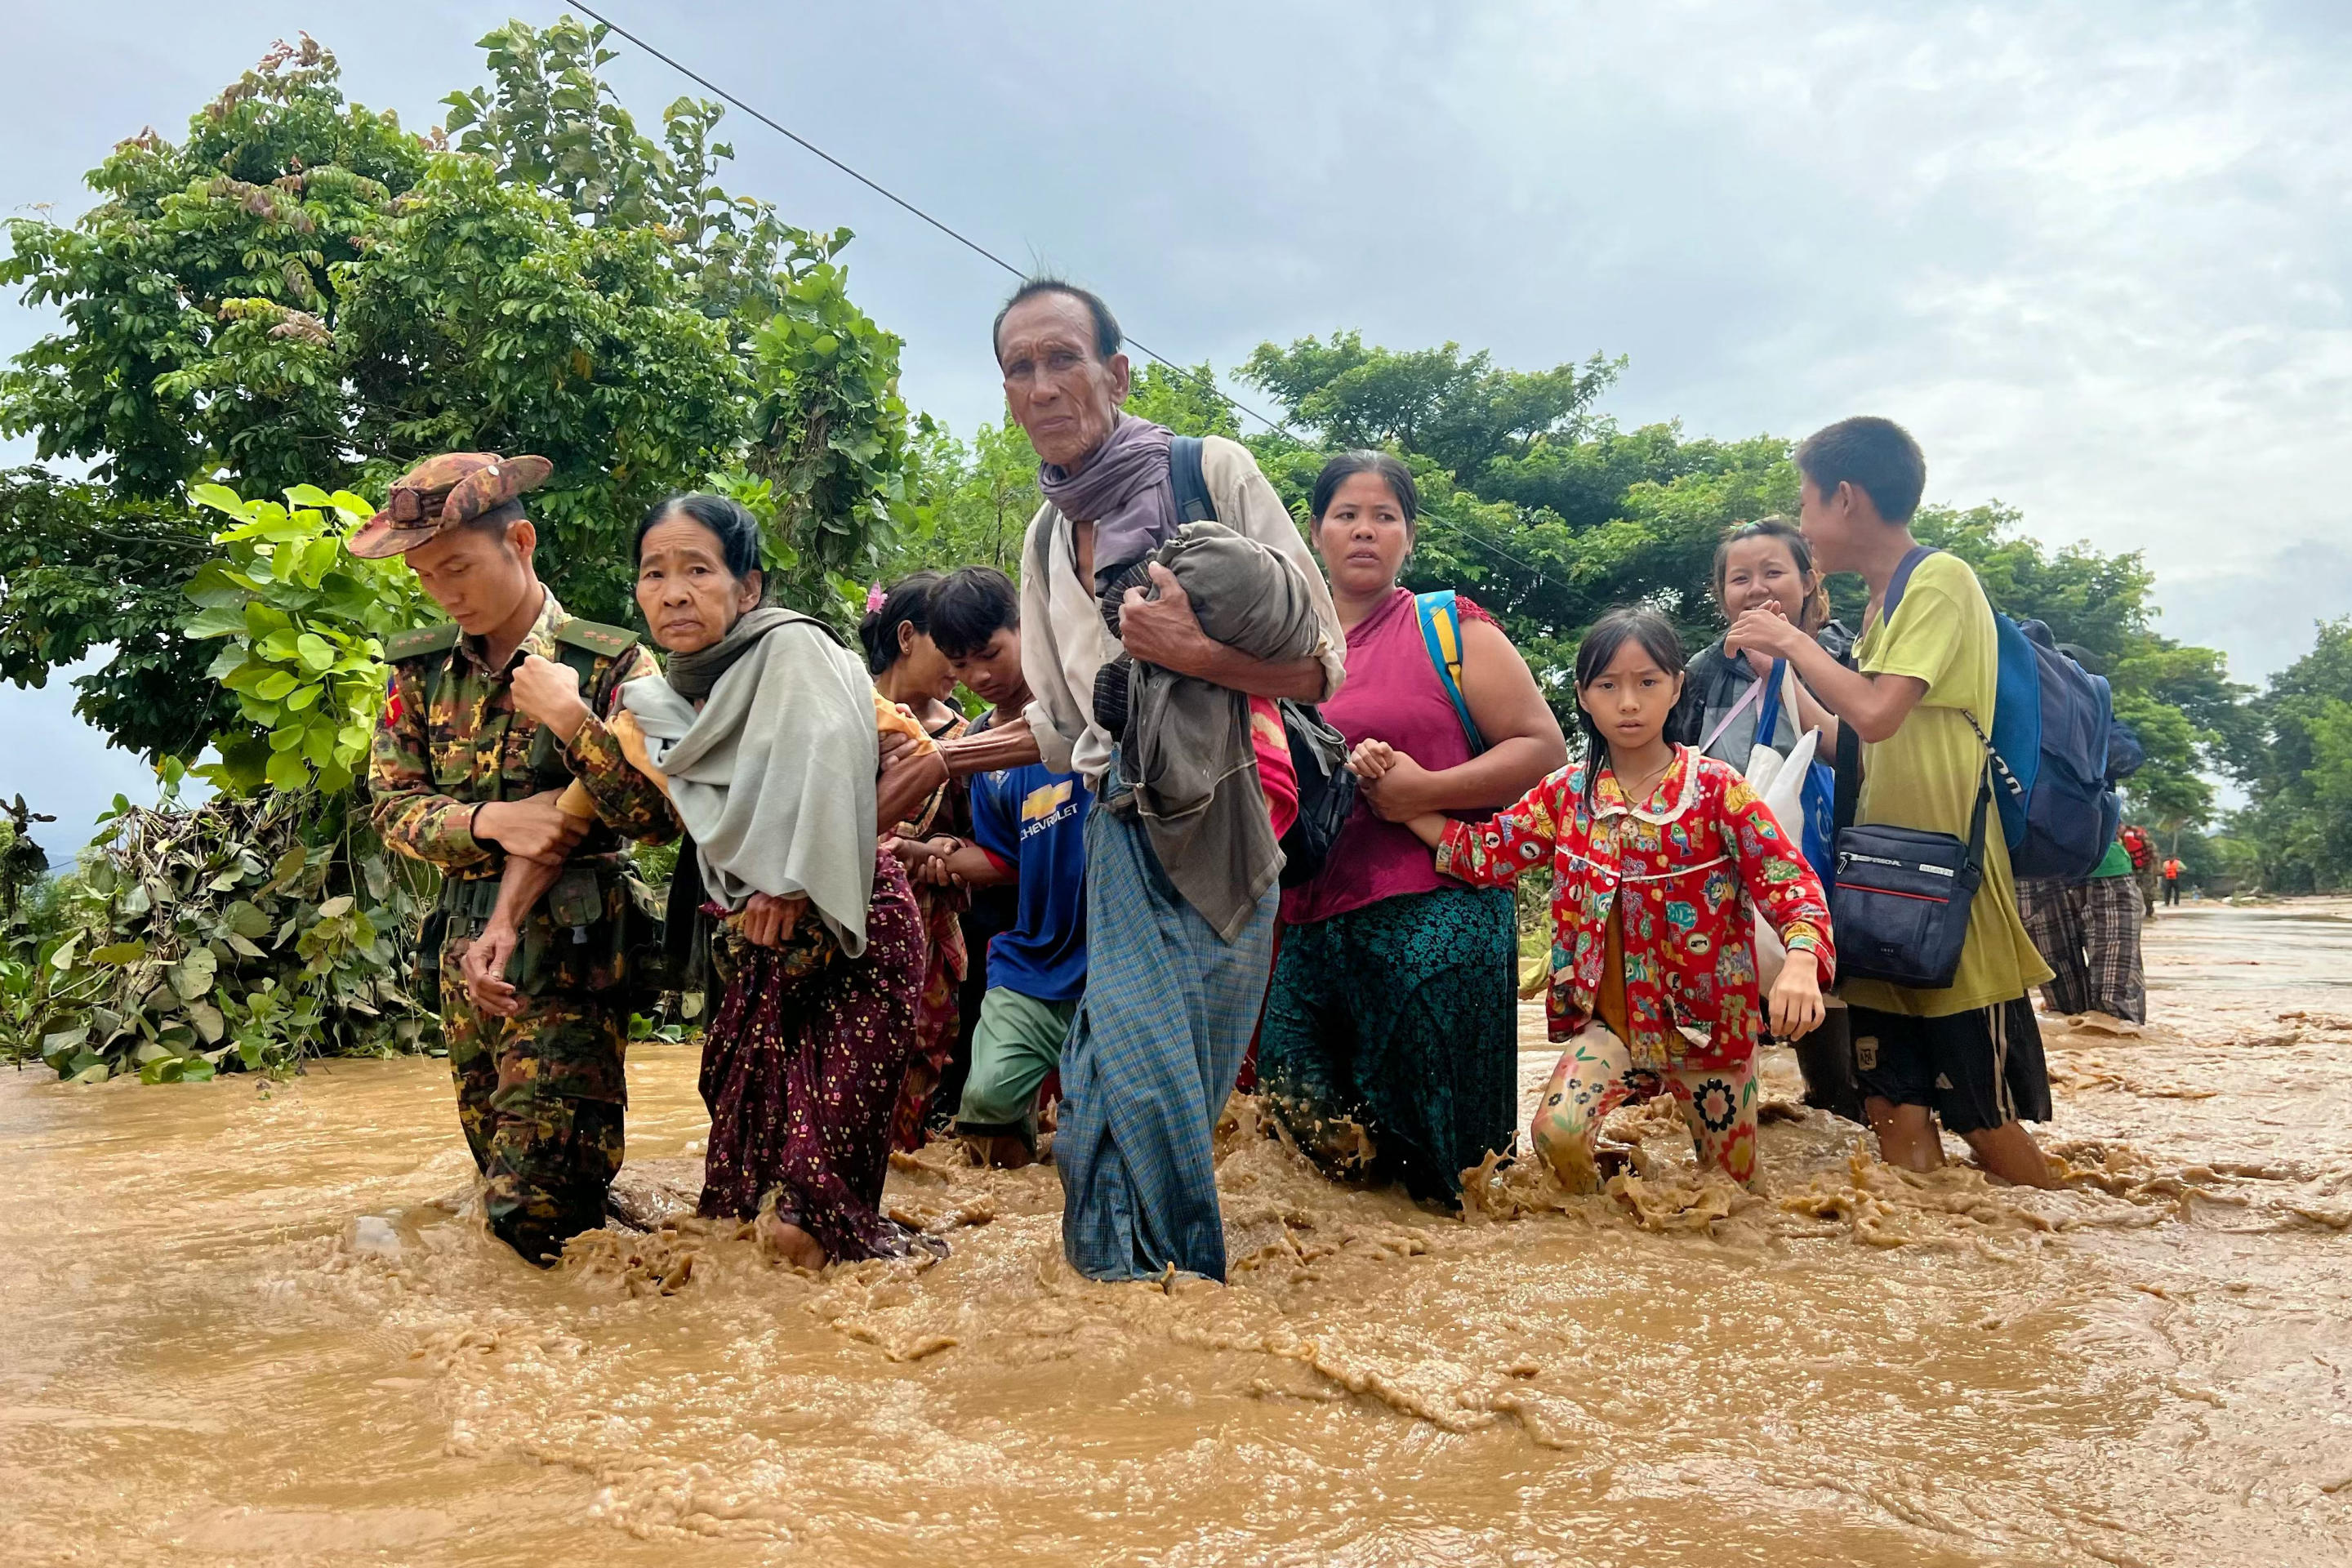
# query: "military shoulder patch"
[607,642]
[420,641]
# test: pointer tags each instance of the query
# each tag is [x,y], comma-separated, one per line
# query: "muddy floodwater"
[259,1324]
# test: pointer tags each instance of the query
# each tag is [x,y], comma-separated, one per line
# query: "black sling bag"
[1900,903]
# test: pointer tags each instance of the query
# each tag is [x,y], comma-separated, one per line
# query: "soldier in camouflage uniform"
[462,777]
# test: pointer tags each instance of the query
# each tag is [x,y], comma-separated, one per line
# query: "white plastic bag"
[1779,782]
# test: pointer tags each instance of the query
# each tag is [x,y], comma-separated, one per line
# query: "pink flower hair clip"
[874,597]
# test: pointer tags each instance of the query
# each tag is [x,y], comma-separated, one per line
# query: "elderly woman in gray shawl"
[763,731]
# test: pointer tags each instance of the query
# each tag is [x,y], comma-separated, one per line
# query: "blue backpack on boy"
[2051,721]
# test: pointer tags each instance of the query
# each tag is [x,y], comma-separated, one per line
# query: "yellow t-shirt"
[1927,773]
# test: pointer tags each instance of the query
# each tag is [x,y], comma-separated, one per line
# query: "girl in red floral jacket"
[1652,847]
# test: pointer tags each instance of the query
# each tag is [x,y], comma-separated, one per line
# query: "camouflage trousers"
[541,1097]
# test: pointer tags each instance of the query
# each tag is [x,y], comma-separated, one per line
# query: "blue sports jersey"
[1036,821]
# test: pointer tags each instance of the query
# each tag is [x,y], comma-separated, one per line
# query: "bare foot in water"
[789,1242]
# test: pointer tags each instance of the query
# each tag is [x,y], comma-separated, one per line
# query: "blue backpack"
[2051,720]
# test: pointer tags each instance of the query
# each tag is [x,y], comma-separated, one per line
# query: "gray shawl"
[1123,490]
[1187,751]
[774,778]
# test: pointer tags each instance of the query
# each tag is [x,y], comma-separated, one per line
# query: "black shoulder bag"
[1899,908]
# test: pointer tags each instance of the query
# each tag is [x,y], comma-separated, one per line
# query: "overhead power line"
[974,246]
[896,199]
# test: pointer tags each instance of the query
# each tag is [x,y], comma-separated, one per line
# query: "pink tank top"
[1393,693]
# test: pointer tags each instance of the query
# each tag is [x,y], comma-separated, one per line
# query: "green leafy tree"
[1186,401]
[299,292]
[549,121]
[302,621]
[1538,505]
[1457,409]
[277,183]
[270,922]
[486,319]
[2295,758]
[826,467]
[81,567]
[972,501]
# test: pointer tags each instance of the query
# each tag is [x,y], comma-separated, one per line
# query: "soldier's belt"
[473,898]
[468,898]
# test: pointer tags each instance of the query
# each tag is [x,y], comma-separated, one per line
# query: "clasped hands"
[765,919]
[926,860]
[548,693]
[1397,788]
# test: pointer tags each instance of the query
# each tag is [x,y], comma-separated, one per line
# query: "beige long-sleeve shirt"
[1064,643]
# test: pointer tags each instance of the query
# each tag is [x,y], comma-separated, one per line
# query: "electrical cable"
[974,246]
[895,198]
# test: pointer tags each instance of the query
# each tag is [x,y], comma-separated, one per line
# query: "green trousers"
[1017,1042]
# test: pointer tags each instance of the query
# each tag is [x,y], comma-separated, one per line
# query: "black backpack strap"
[1191,486]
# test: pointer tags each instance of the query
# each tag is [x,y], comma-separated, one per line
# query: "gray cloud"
[2093,256]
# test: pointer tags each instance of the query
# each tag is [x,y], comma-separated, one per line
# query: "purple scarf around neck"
[1123,490]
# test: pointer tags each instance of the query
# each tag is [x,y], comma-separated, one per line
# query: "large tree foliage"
[277,183]
[2295,755]
[1541,507]
[81,567]
[973,501]
[1458,410]
[299,292]
[270,922]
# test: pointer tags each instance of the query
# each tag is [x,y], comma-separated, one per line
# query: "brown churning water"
[255,1327]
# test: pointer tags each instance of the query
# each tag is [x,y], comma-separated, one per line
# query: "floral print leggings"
[1596,1075]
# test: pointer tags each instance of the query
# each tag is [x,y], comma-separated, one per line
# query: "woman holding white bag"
[1743,708]
[1768,565]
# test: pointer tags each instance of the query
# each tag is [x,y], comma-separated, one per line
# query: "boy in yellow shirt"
[1969,1054]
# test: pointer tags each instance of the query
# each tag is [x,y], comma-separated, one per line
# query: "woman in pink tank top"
[1389,1048]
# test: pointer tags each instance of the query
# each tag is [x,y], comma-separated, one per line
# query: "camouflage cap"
[440,493]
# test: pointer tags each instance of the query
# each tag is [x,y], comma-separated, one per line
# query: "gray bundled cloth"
[774,778]
[1186,749]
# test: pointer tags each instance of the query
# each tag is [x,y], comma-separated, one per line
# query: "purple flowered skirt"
[800,1073]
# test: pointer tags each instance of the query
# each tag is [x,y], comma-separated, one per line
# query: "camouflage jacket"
[450,740]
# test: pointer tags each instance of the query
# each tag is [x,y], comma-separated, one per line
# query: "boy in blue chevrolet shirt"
[1028,828]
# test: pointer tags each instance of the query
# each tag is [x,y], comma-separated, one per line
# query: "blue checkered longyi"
[1159,1035]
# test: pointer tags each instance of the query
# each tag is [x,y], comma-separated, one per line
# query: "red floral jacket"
[1678,864]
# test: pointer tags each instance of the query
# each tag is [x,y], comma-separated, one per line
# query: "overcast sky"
[2096,257]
